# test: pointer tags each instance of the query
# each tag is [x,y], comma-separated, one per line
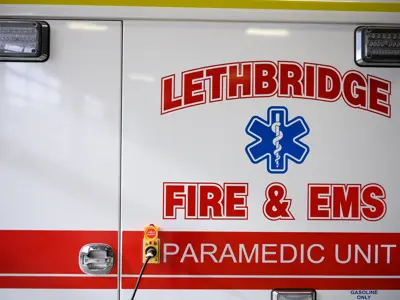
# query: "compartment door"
[268,158]
[59,164]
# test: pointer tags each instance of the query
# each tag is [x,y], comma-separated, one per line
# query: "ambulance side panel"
[59,163]
[188,142]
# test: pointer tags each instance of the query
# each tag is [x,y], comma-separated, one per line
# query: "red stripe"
[56,252]
[48,252]
[207,265]
[262,284]
[59,282]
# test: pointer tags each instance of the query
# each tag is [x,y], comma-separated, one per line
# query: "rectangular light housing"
[377,46]
[25,41]
[293,294]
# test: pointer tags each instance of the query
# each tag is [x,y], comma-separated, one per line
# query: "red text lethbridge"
[284,79]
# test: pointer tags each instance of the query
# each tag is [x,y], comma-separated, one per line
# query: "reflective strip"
[55,275]
[49,251]
[234,4]
[209,283]
[260,276]
[57,282]
[262,283]
[49,260]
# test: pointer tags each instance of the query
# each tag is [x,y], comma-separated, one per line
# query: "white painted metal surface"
[206,143]
[59,126]
[47,294]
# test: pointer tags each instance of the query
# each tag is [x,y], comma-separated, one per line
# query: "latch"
[96,259]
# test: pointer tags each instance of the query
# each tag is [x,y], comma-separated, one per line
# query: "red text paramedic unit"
[279,180]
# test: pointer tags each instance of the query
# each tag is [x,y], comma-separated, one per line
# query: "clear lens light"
[382,44]
[19,39]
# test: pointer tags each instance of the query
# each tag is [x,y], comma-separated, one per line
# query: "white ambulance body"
[262,139]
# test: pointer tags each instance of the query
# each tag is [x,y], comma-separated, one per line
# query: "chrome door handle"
[96,259]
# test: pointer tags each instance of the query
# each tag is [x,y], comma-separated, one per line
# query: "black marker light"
[24,41]
[377,46]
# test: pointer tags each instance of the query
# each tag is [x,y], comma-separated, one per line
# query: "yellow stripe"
[242,4]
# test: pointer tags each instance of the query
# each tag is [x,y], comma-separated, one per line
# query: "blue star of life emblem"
[277,140]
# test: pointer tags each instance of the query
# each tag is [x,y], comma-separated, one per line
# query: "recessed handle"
[96,259]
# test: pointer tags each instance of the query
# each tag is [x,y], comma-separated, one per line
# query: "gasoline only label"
[364,294]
